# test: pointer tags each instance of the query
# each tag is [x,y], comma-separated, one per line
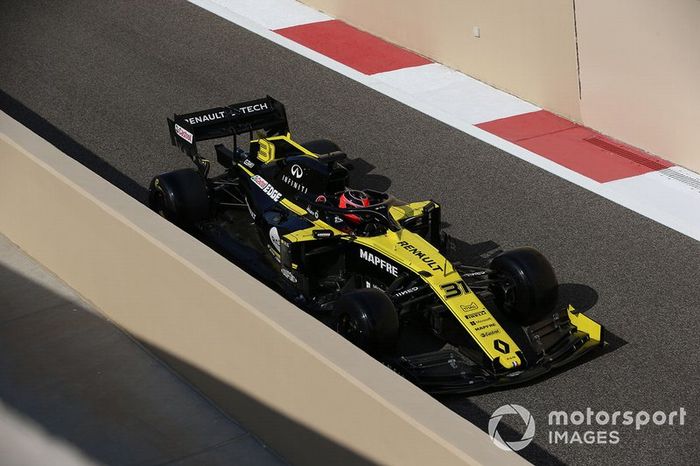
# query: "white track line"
[271,14]
[460,101]
[455,93]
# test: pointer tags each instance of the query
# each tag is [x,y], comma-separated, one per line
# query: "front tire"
[529,291]
[368,319]
[180,196]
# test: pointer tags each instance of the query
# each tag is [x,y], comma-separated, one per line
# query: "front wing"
[554,342]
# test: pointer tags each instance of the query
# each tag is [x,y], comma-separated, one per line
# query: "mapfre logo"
[515,445]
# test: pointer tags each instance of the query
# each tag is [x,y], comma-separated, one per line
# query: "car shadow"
[581,297]
[477,254]
[533,453]
[361,178]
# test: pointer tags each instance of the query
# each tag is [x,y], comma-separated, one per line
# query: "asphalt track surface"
[99,78]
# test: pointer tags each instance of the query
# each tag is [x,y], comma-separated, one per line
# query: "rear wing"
[265,114]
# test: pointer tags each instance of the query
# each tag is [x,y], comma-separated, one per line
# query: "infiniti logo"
[297,171]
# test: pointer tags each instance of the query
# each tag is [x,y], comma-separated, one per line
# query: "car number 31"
[454,289]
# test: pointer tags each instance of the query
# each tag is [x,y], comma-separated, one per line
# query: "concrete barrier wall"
[639,73]
[636,61]
[526,47]
[308,393]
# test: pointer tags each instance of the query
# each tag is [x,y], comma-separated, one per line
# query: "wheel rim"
[160,203]
[348,328]
[157,201]
[509,297]
[504,292]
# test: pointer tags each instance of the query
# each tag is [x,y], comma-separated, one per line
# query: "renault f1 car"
[370,266]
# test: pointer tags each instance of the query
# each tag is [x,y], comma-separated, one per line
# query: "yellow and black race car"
[368,265]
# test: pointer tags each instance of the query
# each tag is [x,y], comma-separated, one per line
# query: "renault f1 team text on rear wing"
[265,114]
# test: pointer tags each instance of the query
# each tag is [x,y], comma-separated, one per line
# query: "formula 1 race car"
[371,267]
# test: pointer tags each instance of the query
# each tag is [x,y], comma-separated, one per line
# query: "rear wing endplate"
[265,114]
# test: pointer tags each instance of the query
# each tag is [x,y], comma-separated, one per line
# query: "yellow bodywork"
[416,254]
[586,324]
[400,212]
[267,147]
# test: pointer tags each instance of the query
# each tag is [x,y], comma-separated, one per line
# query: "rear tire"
[367,318]
[180,196]
[531,289]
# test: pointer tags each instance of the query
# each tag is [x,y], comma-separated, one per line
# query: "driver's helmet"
[353,199]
